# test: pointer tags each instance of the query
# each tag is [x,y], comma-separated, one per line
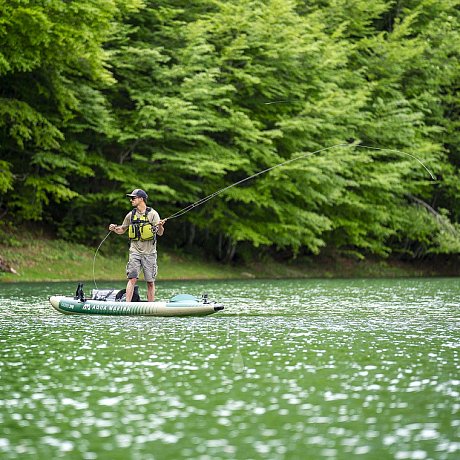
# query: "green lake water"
[298,369]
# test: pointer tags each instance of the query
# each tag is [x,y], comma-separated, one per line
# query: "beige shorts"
[145,262]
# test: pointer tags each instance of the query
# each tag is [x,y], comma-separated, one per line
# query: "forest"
[184,98]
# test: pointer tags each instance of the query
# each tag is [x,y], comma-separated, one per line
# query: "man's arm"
[157,222]
[160,227]
[120,229]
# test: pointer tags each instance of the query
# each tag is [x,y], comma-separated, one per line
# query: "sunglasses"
[131,198]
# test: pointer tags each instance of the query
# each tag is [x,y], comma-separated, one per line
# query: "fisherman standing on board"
[143,224]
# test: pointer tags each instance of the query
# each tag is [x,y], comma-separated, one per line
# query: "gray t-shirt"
[143,247]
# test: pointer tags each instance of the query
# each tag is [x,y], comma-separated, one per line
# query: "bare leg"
[130,289]
[150,291]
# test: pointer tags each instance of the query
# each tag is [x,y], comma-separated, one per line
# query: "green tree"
[52,70]
[187,98]
[405,74]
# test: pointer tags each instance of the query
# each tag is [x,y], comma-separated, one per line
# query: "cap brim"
[133,196]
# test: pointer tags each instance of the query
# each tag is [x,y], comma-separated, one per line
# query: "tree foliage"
[186,98]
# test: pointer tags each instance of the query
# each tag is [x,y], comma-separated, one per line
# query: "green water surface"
[298,369]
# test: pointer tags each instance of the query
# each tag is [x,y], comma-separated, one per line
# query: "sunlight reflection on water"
[290,369]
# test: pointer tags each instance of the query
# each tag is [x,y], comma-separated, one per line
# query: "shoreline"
[173,267]
[49,260]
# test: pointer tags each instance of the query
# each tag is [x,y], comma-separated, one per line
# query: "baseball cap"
[139,193]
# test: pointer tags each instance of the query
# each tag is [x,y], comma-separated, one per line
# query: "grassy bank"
[45,259]
[57,260]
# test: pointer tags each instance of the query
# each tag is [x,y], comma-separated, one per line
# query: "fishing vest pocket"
[146,232]
[133,232]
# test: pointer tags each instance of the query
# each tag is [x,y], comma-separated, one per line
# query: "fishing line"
[201,201]
[97,250]
[277,102]
[238,360]
[400,151]
[95,254]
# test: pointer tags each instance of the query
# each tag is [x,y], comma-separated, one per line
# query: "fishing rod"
[222,190]
[202,201]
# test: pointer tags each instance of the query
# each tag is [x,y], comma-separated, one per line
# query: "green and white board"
[181,305]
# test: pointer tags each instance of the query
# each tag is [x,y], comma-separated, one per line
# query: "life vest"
[141,228]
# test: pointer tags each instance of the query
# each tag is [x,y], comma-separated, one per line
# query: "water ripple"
[290,369]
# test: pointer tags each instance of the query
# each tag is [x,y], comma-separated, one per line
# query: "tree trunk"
[231,250]
[191,235]
[219,246]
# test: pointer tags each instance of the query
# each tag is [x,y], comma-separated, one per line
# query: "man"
[143,225]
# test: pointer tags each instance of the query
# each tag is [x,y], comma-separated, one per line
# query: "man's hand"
[160,227]
[112,227]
